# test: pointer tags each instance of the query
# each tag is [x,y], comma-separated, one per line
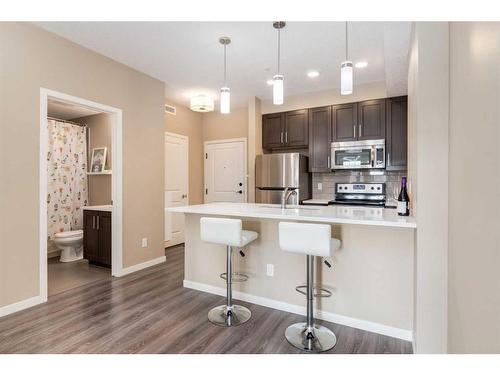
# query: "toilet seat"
[69,234]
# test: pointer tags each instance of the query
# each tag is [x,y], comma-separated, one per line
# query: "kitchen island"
[372,278]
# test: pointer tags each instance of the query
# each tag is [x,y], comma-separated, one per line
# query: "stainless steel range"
[366,194]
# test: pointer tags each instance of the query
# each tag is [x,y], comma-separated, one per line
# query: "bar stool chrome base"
[223,317]
[319,340]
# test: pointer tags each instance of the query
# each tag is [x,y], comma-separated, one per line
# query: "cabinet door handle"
[354,127]
[97,222]
[388,158]
[286,137]
[281,137]
[93,222]
[329,162]
[359,126]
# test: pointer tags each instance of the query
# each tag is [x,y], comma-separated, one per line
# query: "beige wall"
[428,86]
[189,123]
[99,128]
[31,58]
[318,99]
[218,126]
[474,180]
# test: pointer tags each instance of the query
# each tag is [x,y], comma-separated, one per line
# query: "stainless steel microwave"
[358,154]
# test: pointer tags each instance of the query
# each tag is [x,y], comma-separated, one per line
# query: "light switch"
[270,270]
[144,242]
[320,186]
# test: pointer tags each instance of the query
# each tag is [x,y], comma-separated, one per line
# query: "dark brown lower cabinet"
[97,237]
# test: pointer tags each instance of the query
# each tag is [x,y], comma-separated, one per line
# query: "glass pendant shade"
[346,78]
[225,100]
[202,103]
[278,89]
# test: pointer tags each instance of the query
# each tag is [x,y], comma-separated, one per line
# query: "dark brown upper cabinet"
[320,128]
[371,119]
[344,122]
[285,130]
[273,126]
[396,142]
[297,128]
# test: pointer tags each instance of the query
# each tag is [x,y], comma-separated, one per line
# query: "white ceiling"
[187,56]
[67,111]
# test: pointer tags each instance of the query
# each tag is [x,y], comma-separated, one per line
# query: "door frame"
[230,140]
[116,181]
[186,138]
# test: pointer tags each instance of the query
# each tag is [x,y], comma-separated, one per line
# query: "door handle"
[354,127]
[359,127]
[184,196]
[388,159]
[329,162]
[93,222]
[239,192]
[97,222]
[286,137]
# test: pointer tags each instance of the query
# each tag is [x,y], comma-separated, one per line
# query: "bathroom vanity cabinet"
[97,237]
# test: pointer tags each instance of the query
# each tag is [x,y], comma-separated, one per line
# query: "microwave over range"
[368,154]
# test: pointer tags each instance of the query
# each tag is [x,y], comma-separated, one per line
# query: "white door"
[176,185]
[225,171]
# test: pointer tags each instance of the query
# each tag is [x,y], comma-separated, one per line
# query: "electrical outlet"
[320,186]
[144,242]
[270,270]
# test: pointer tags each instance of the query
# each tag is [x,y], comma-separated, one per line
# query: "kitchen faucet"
[285,195]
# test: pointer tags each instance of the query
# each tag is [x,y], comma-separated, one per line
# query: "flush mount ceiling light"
[313,74]
[225,93]
[361,64]
[278,78]
[202,103]
[346,69]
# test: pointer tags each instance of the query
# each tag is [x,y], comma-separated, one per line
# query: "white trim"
[365,325]
[141,266]
[230,140]
[116,182]
[21,305]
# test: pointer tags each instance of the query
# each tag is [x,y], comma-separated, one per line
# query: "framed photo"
[98,159]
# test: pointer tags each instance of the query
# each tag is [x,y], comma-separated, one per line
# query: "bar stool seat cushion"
[224,231]
[307,239]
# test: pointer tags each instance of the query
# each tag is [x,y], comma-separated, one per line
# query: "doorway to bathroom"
[80,192]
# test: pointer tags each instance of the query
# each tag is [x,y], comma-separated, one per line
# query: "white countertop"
[321,202]
[363,215]
[104,207]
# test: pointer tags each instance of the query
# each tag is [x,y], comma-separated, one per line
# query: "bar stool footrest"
[318,292]
[238,277]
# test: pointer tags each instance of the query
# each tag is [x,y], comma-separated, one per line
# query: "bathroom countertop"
[104,207]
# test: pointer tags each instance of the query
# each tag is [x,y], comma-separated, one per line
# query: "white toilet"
[70,244]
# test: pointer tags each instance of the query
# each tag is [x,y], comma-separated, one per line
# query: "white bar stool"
[227,232]
[311,240]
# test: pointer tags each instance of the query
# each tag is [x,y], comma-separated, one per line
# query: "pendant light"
[278,78]
[346,69]
[225,93]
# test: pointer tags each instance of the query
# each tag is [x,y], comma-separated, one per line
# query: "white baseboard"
[141,266]
[365,325]
[21,305]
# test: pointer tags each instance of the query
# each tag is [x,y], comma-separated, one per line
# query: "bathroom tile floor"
[65,276]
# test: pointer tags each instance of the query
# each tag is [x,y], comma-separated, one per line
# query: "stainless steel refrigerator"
[275,172]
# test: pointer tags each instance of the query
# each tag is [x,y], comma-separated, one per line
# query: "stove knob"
[373,188]
[378,188]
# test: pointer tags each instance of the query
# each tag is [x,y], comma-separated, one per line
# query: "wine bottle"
[403,200]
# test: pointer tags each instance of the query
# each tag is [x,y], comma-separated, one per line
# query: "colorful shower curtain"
[67,177]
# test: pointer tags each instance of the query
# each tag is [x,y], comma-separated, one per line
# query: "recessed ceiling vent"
[170,109]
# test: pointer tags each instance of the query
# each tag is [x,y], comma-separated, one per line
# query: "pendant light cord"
[346,42]
[279,46]
[224,65]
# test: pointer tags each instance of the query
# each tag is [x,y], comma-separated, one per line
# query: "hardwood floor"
[150,312]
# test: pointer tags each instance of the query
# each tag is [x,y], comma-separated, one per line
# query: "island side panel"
[371,277]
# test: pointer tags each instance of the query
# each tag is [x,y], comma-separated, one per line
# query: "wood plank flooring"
[150,312]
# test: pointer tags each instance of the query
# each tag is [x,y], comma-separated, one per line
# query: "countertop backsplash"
[328,180]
